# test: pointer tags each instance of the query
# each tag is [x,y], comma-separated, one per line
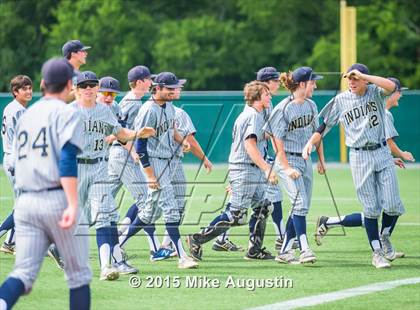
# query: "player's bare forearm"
[320,151]
[384,83]
[397,152]
[196,149]
[278,147]
[177,136]
[69,185]
[255,155]
[125,135]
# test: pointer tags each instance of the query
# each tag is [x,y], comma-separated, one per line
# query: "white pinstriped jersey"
[162,119]
[115,108]
[361,116]
[267,113]
[294,123]
[390,131]
[11,114]
[249,122]
[129,108]
[185,127]
[40,135]
[98,123]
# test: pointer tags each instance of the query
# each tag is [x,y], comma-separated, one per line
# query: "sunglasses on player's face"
[87,84]
[109,93]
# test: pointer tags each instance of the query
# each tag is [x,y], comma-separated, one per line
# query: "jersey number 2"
[38,144]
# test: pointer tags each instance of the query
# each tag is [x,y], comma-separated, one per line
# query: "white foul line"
[338,295]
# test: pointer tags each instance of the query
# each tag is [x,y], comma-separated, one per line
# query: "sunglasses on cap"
[109,93]
[87,84]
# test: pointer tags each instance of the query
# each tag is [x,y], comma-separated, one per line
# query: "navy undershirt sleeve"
[141,150]
[67,164]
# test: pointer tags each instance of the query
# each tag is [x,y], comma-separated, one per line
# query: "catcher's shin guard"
[257,226]
[221,225]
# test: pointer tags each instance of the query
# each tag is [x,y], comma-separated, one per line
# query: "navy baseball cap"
[169,80]
[397,83]
[109,84]
[304,74]
[86,76]
[72,47]
[56,71]
[361,67]
[138,73]
[267,74]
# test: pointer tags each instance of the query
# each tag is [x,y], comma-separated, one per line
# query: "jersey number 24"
[39,143]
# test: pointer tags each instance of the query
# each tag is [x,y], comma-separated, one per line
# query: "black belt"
[56,188]
[294,154]
[370,147]
[91,161]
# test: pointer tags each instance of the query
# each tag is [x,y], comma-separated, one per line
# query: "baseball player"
[361,111]
[270,76]
[356,219]
[185,127]
[47,140]
[248,176]
[21,89]
[291,123]
[155,155]
[123,167]
[94,189]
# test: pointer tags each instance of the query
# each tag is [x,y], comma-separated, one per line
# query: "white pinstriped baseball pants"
[36,219]
[376,182]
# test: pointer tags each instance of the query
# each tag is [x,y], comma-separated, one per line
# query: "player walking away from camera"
[123,167]
[291,124]
[94,189]
[248,176]
[270,76]
[361,111]
[186,129]
[21,89]
[48,138]
[155,155]
[325,223]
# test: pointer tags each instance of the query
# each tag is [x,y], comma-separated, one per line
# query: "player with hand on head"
[95,195]
[361,111]
[291,124]
[248,177]
[48,138]
[156,154]
[21,89]
[325,223]
[186,129]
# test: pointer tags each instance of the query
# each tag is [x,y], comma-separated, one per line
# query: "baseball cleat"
[187,263]
[389,251]
[125,268]
[55,256]
[196,249]
[161,254]
[227,246]
[321,229]
[109,273]
[307,256]
[8,248]
[262,254]
[287,258]
[278,244]
[378,259]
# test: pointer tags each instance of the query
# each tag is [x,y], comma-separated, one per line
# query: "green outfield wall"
[214,113]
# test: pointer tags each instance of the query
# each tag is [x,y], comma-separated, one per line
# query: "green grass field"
[344,260]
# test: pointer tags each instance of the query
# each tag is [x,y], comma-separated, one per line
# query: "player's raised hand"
[321,167]
[407,156]
[68,218]
[307,150]
[292,173]
[186,147]
[208,165]
[146,132]
[399,162]
[354,74]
